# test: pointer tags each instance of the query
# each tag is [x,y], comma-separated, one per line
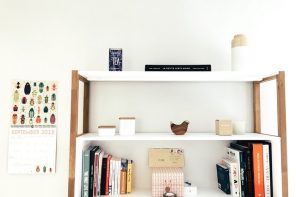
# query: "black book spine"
[103,176]
[205,67]
[243,166]
[248,175]
[270,166]
[91,171]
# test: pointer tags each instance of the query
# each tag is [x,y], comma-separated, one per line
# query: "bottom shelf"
[201,192]
[201,157]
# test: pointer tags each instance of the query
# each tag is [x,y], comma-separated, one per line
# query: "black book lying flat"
[193,67]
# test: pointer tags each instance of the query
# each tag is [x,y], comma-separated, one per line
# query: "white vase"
[239,53]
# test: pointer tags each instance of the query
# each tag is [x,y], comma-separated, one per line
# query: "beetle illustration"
[39,99]
[32,102]
[45,109]
[18,85]
[14,118]
[52,119]
[41,86]
[46,99]
[38,119]
[24,100]
[22,119]
[16,96]
[34,93]
[52,107]
[53,97]
[15,108]
[27,89]
[54,87]
[31,113]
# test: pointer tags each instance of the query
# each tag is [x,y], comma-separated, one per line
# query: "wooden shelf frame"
[281,115]
[281,110]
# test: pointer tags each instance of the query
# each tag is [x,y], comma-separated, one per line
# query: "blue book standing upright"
[115,59]
[223,178]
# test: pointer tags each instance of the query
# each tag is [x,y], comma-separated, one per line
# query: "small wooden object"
[180,129]
[223,127]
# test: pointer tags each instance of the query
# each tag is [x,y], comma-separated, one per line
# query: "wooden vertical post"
[256,106]
[86,107]
[282,129]
[73,131]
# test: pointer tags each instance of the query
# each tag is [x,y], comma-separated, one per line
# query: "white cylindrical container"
[239,53]
[239,127]
[127,125]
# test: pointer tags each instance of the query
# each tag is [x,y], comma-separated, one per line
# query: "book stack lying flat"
[192,67]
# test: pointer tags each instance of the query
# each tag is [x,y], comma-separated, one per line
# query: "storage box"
[127,125]
[190,191]
[223,127]
[166,157]
[167,180]
[106,130]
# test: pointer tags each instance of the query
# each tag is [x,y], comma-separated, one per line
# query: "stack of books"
[246,171]
[104,174]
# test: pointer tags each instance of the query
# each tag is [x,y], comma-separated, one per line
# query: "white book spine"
[110,178]
[118,175]
[266,170]
[233,176]
[113,177]
[234,155]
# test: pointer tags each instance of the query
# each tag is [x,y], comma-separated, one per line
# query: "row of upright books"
[104,174]
[246,171]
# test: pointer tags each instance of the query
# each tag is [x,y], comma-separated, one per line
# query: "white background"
[45,40]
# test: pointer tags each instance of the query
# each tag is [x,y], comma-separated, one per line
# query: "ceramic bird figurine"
[181,128]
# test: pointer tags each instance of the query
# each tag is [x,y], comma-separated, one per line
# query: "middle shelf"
[171,137]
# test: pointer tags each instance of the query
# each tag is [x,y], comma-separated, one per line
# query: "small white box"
[127,125]
[106,130]
[190,191]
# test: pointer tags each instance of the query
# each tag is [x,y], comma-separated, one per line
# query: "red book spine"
[107,175]
[258,170]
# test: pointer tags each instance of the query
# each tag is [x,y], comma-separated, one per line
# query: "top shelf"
[213,76]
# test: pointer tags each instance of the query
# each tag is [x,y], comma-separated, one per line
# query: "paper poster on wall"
[32,136]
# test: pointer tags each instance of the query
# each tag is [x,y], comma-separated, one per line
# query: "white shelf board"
[201,192]
[227,76]
[170,136]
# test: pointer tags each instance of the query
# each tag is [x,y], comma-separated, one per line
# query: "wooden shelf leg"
[73,131]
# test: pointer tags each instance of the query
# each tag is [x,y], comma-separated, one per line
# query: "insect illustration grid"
[32,137]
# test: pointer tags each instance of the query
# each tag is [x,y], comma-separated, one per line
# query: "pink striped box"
[164,179]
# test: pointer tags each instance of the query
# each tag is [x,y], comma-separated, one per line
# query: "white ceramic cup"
[239,127]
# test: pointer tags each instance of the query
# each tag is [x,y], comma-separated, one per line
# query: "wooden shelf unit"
[138,76]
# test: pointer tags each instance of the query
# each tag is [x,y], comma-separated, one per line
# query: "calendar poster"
[33,131]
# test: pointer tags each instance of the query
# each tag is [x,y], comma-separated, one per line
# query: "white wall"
[42,39]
